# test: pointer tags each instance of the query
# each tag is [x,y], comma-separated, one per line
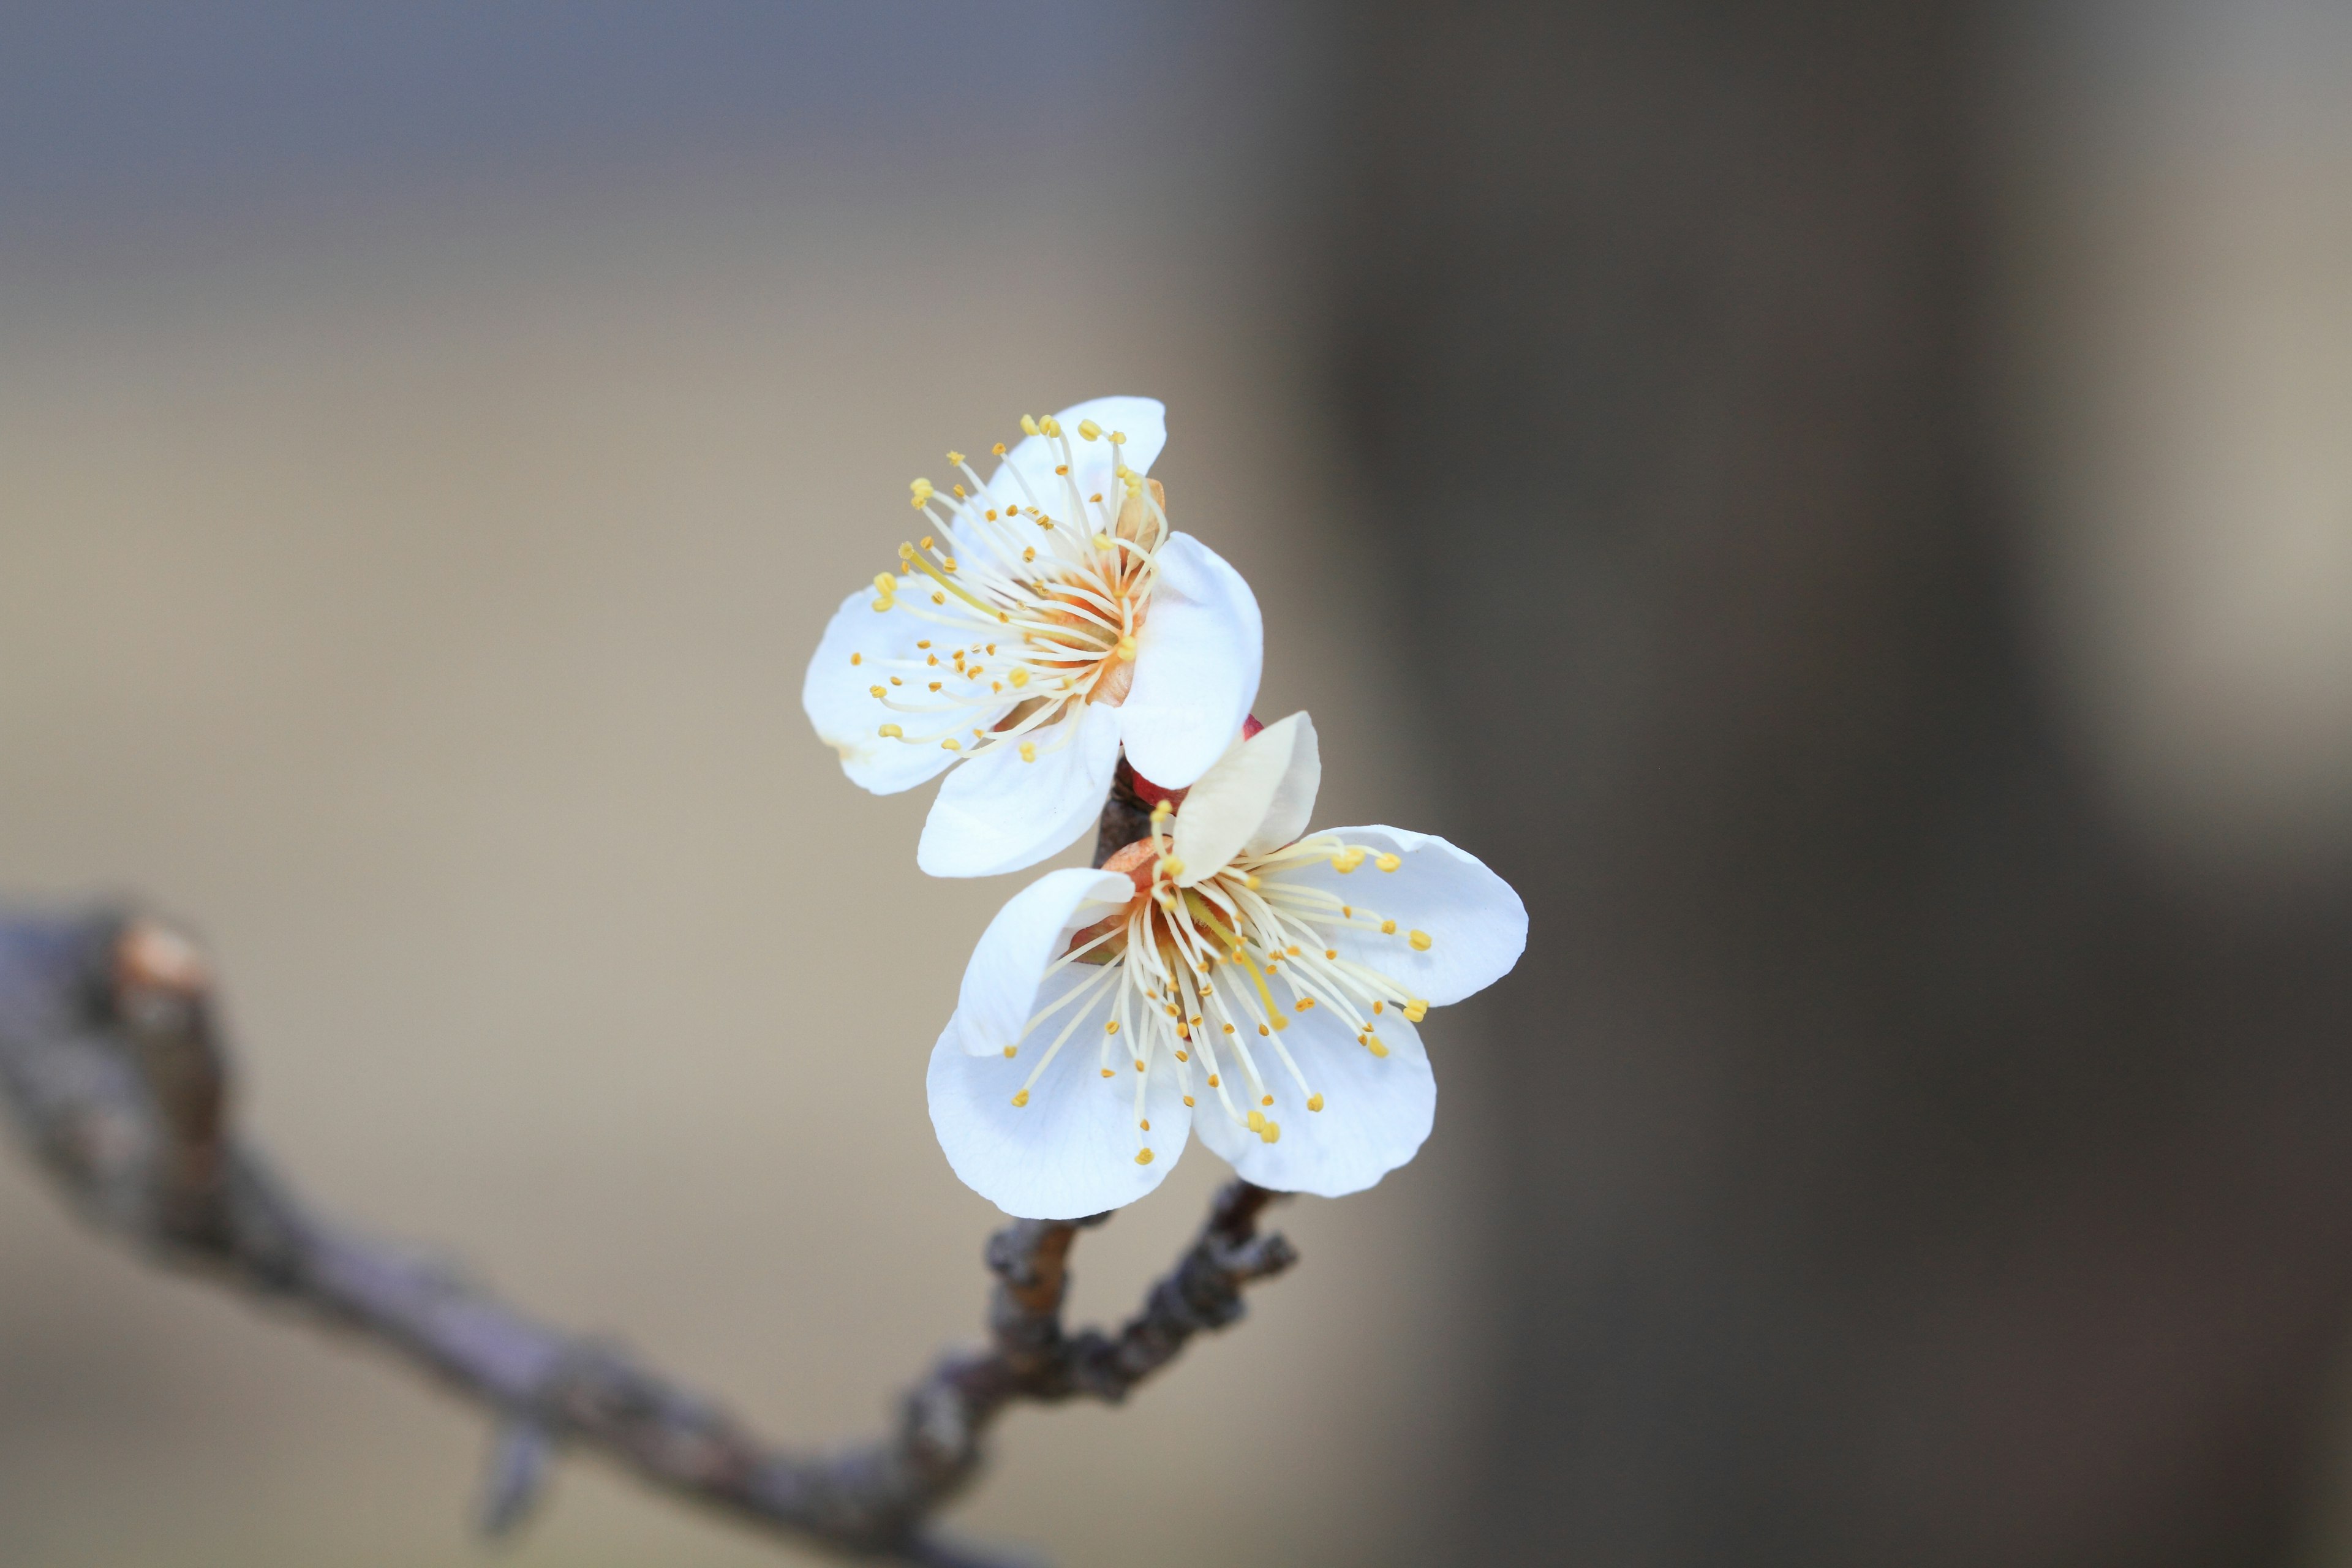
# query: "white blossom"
[1048,617]
[1230,976]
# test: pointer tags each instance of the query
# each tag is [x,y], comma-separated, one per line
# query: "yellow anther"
[1108,1073]
[896,682]
[1212,1080]
[1331,953]
[934,685]
[1378,1007]
[1060,468]
[998,448]
[1387,862]
[1305,1002]
[891,732]
[1111,1028]
[926,543]
[1139,1066]
[885,584]
[1050,425]
[1264,1030]
[1373,1042]
[1229,1029]
[1012,1051]
[1292,950]
[933,659]
[951,743]
[878,605]
[1102,542]
[1268,1100]
[1144,1125]
[922,489]
[1021,1098]
[1134,486]
[924,643]
[1314,1103]
[1161,811]
[1171,867]
[1143,1157]
[1096,497]
[1280,1022]
[1183,1055]
[1420,941]
[1188,1100]
[1249,880]
[877,690]
[1387,928]
[1029,427]
[1090,429]
[857,658]
[1118,437]
[1028,751]
[1018,678]
[1273,1134]
[1257,1121]
[1126,648]
[1028,552]
[1416,1010]
[957,458]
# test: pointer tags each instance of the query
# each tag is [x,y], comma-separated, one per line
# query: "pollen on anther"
[1387,862]
[1188,1100]
[1108,1073]
[1273,1134]
[1212,1080]
[1183,1055]
[1264,1030]
[1314,1103]
[1420,941]
[1143,1157]
[1139,1066]
[1331,953]
[1387,928]
[1305,1002]
[1021,1098]
[1266,1101]
[857,658]
[950,744]
[890,732]
[1028,751]
[1144,1125]
[1111,1028]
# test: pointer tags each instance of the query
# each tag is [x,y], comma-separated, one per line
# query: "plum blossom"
[1233,978]
[1050,617]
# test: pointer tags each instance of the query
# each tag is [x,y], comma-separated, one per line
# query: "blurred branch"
[112,1066]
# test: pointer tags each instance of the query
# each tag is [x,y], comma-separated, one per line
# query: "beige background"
[419,608]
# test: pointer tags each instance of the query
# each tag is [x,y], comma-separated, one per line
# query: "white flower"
[1051,617]
[1225,967]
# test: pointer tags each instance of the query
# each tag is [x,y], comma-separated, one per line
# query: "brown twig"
[112,1067]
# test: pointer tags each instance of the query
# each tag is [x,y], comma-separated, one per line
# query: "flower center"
[1038,602]
[1224,965]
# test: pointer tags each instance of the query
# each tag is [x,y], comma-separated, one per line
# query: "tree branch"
[114,1073]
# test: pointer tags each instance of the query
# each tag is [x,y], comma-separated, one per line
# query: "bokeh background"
[1848,506]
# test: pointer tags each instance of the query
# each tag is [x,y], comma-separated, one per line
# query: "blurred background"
[1848,506]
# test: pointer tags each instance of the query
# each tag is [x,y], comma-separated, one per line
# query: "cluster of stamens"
[1224,965]
[1038,615]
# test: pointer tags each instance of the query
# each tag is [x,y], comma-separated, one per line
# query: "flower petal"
[839,700]
[1476,925]
[997,812]
[1376,1111]
[1197,662]
[1258,795]
[1069,1152]
[1094,464]
[1000,991]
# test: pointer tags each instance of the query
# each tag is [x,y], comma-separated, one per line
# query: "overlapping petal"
[1257,796]
[1197,664]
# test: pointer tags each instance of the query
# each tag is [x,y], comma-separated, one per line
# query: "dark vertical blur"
[1901,1167]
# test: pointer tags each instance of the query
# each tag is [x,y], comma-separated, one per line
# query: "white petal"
[1376,1112]
[1094,466]
[1259,796]
[1000,985]
[1070,1152]
[1196,665]
[1476,925]
[839,700]
[997,812]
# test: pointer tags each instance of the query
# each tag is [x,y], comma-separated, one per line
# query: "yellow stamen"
[1314,1103]
[1420,941]
[1021,1098]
